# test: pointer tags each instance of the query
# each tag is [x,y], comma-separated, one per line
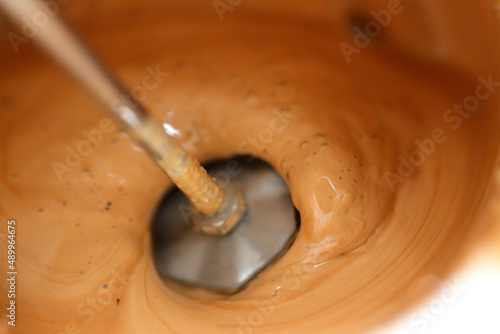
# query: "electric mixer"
[208,236]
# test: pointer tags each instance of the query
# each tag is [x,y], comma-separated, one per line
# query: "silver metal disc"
[226,263]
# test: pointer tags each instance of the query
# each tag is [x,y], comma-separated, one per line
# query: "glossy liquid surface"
[378,221]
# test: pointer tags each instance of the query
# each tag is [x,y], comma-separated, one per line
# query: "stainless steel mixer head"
[226,263]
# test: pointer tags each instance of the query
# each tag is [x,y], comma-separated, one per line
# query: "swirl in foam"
[377,218]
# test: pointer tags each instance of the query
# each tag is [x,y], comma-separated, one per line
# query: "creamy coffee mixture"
[391,158]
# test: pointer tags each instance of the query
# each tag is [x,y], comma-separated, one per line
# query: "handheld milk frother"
[228,234]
